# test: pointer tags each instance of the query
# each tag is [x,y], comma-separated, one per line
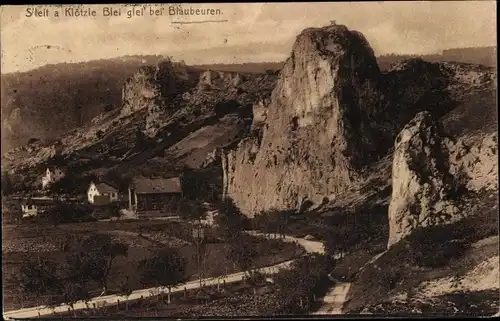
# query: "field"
[143,238]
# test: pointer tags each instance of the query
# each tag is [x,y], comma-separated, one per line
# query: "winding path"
[109,300]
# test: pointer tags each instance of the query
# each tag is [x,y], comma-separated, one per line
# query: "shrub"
[434,246]
[391,277]
[255,278]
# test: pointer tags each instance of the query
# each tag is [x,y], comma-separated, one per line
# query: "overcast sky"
[253,32]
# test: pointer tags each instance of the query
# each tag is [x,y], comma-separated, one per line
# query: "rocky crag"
[317,130]
[331,116]
[432,173]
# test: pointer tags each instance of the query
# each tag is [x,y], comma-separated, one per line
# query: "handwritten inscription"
[118,11]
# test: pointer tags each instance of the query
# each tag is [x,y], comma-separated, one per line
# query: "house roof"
[157,186]
[105,188]
[37,201]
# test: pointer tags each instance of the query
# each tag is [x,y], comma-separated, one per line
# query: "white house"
[209,220]
[34,206]
[51,176]
[29,209]
[101,193]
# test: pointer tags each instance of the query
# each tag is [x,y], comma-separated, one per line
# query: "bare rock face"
[317,125]
[431,174]
[220,79]
[153,88]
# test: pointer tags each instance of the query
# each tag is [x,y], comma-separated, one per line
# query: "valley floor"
[143,237]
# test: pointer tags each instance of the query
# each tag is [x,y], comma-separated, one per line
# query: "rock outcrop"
[317,129]
[220,80]
[432,175]
[154,88]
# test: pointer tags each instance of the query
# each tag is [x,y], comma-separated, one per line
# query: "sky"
[249,32]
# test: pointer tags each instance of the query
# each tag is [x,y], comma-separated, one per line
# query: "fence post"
[185,293]
[168,297]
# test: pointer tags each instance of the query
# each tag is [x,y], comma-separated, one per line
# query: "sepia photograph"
[272,160]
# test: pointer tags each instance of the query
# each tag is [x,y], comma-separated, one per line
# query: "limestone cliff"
[433,174]
[155,88]
[317,129]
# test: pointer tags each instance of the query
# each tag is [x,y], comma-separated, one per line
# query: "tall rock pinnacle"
[317,130]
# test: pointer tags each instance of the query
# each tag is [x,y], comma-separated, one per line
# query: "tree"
[192,209]
[121,180]
[94,260]
[306,277]
[165,268]
[7,186]
[342,239]
[115,210]
[39,279]
[52,284]
[230,219]
[242,251]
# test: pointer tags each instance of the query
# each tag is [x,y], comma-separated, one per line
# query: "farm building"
[51,176]
[101,193]
[157,197]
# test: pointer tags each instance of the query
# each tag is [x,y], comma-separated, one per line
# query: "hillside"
[77,92]
[161,124]
[410,153]
[71,93]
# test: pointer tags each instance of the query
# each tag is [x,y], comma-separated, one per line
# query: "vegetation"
[192,210]
[7,186]
[52,283]
[93,262]
[165,268]
[242,250]
[39,279]
[428,254]
[272,221]
[297,287]
[68,212]
[49,90]
[230,219]
[115,210]
[70,184]
[347,231]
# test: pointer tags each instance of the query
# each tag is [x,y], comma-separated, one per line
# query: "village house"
[51,176]
[101,193]
[209,219]
[156,197]
[34,206]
